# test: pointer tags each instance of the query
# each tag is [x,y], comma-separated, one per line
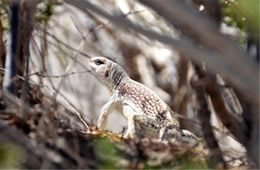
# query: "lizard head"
[100,66]
[107,71]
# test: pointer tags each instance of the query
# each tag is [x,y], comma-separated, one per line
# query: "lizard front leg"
[129,113]
[105,112]
[131,128]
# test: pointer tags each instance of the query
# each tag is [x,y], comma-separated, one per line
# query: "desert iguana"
[147,114]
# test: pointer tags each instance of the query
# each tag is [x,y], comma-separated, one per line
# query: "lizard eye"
[99,62]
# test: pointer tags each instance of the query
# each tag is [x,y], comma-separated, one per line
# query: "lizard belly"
[129,110]
[139,124]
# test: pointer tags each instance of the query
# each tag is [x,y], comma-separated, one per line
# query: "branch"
[58,76]
[216,160]
[236,127]
[29,8]
[2,44]
[13,47]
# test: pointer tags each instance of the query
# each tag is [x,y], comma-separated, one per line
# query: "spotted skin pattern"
[149,106]
[147,114]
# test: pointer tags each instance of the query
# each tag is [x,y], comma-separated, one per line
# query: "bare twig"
[29,8]
[20,104]
[58,76]
[54,90]
[77,111]
[61,42]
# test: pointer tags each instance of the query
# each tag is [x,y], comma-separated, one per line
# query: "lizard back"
[147,101]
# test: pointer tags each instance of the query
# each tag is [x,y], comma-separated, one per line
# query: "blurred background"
[57,38]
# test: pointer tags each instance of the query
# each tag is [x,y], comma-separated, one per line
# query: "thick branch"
[13,48]
[216,160]
[235,126]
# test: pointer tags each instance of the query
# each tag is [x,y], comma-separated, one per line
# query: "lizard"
[148,116]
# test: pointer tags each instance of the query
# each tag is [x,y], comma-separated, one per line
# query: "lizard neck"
[118,77]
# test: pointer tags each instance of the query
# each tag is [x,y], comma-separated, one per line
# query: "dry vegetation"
[199,56]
